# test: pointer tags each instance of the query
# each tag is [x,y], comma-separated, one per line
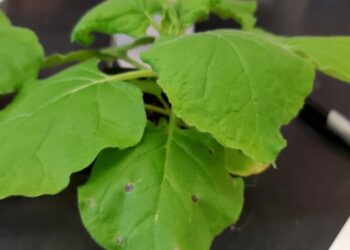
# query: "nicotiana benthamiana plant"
[175,181]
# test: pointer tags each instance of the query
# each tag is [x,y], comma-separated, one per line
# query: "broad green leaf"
[241,11]
[238,163]
[235,85]
[180,14]
[131,17]
[4,19]
[169,192]
[60,126]
[331,55]
[21,57]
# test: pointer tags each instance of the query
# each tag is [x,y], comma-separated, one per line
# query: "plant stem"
[153,23]
[135,44]
[130,76]
[133,62]
[111,53]
[163,102]
[157,109]
[172,122]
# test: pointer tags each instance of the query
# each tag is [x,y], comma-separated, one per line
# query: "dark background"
[301,205]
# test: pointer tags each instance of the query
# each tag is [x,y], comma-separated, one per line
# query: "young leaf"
[169,192]
[180,14]
[241,11]
[330,54]
[242,100]
[131,17]
[21,57]
[238,163]
[61,125]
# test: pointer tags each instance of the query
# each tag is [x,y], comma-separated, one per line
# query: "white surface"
[340,125]
[342,242]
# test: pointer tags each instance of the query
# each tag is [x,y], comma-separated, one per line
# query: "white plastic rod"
[340,125]
[342,242]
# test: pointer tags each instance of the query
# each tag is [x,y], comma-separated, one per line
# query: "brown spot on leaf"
[129,187]
[195,198]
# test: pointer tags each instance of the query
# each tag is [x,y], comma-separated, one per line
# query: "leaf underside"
[58,128]
[169,192]
[115,16]
[237,163]
[241,11]
[181,14]
[242,100]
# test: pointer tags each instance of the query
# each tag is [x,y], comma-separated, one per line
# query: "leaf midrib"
[119,78]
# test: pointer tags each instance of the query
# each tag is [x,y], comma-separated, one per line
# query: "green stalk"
[103,54]
[133,62]
[130,76]
[172,123]
[157,109]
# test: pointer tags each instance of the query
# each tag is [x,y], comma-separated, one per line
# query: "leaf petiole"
[103,54]
[133,62]
[153,23]
[157,109]
[163,102]
[172,123]
[130,76]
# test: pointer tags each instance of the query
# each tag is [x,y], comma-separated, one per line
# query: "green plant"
[165,184]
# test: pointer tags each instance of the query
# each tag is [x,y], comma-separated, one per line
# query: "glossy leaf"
[241,11]
[21,56]
[329,54]
[242,100]
[131,17]
[58,128]
[169,192]
[239,164]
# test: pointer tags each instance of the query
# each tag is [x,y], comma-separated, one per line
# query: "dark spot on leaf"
[211,151]
[195,198]
[119,241]
[129,187]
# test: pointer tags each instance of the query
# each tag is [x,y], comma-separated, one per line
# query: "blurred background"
[301,205]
